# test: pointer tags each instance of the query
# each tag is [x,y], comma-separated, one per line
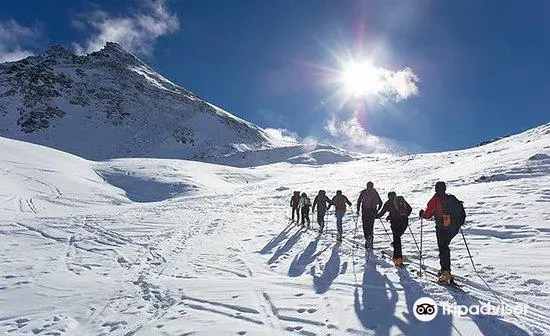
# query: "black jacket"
[321,202]
[394,215]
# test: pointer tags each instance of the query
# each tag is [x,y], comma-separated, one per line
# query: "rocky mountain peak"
[62,100]
[114,52]
[59,53]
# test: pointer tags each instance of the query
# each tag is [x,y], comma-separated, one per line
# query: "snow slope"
[174,247]
[109,104]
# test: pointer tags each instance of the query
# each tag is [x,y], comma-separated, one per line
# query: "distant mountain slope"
[109,104]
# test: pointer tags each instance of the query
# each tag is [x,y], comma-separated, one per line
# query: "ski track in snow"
[78,257]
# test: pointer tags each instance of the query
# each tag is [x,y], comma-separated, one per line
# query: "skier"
[449,216]
[339,201]
[321,201]
[305,204]
[294,203]
[370,203]
[399,211]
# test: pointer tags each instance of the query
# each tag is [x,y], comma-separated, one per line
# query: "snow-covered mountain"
[109,104]
[140,246]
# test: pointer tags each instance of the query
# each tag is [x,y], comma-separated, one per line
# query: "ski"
[453,286]
[427,270]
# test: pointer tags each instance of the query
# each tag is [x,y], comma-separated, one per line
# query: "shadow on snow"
[287,245]
[376,299]
[330,271]
[145,190]
[308,255]
[375,304]
[488,324]
[277,240]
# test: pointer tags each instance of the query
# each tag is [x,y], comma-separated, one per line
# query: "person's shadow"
[276,240]
[287,245]
[330,272]
[308,255]
[377,308]
[488,324]
[440,325]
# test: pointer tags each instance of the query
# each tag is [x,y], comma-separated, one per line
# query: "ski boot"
[445,277]
[398,262]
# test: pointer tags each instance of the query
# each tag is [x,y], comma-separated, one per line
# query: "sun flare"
[361,79]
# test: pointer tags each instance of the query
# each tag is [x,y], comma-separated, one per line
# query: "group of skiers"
[447,209]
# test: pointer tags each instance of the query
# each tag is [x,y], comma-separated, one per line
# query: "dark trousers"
[398,227]
[367,217]
[297,211]
[321,215]
[321,218]
[305,214]
[444,237]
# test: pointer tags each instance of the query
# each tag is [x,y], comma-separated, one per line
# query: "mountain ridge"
[110,104]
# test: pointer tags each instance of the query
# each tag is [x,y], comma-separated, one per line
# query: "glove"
[421,213]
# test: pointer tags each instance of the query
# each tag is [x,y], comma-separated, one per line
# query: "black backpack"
[453,214]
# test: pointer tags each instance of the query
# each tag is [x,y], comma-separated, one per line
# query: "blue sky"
[449,74]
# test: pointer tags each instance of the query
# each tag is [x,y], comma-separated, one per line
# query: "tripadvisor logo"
[425,309]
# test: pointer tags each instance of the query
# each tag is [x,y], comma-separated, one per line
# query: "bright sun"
[361,79]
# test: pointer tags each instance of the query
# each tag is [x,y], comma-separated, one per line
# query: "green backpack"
[401,206]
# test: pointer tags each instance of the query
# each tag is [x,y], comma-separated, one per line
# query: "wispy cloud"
[351,135]
[363,89]
[282,136]
[136,32]
[399,85]
[365,80]
[12,37]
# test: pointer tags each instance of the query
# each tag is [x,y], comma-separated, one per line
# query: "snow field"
[172,247]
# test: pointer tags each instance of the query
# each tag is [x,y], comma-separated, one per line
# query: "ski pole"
[421,225]
[387,234]
[415,243]
[475,270]
[355,230]
[356,219]
[356,214]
